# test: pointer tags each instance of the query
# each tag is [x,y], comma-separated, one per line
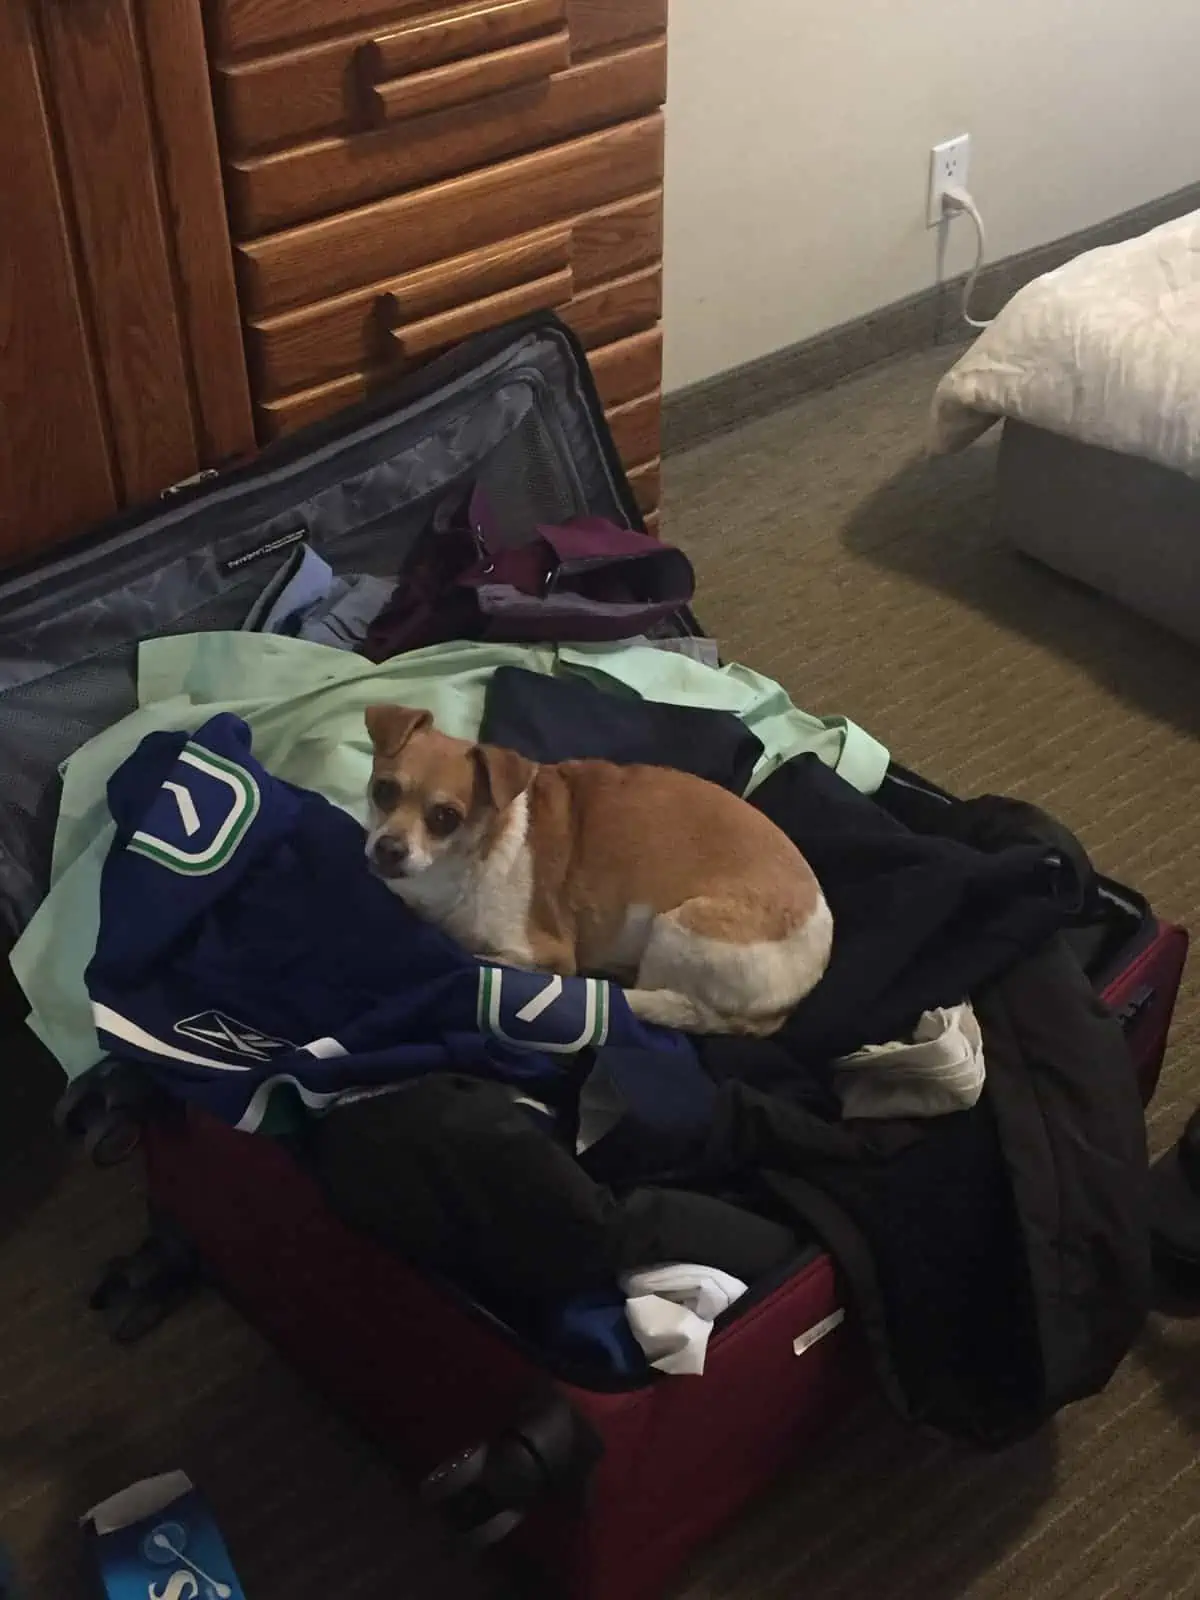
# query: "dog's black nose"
[389,856]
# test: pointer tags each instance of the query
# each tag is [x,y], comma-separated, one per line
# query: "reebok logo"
[214,1028]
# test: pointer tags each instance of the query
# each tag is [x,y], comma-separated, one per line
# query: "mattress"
[1129,528]
[1104,351]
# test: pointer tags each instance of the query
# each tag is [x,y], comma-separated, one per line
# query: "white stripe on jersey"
[251,1119]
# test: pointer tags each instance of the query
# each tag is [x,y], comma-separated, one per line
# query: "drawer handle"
[447,285]
[411,49]
[418,340]
[479,77]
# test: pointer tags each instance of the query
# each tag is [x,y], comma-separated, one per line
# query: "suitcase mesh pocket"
[525,483]
[46,719]
[531,436]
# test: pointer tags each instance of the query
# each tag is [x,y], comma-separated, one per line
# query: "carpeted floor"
[867,579]
[833,557]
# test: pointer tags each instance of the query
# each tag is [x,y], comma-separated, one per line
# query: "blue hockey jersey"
[244,944]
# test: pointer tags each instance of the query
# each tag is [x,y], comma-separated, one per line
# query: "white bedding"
[1106,350]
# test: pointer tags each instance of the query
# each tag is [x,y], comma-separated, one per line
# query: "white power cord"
[957,202]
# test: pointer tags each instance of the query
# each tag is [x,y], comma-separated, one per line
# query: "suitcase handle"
[1136,1006]
[107,1108]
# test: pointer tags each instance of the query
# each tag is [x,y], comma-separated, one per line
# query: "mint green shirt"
[304,704]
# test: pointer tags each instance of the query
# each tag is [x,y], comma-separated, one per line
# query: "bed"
[1094,371]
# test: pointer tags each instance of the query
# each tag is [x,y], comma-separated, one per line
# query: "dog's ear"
[504,773]
[391,727]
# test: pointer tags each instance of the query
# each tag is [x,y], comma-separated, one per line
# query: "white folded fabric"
[940,1069]
[671,1310]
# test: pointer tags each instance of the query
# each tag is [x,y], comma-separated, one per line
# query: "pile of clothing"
[951,1112]
[585,580]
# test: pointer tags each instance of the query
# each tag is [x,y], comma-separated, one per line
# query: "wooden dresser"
[395,176]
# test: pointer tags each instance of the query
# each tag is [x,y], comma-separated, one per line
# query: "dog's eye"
[442,821]
[385,794]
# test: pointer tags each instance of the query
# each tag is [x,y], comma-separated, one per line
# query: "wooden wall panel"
[402,172]
[646,483]
[244,26]
[636,429]
[320,86]
[55,473]
[122,368]
[176,64]
[302,348]
[100,96]
[629,368]
[615,310]
[405,231]
[601,24]
[305,181]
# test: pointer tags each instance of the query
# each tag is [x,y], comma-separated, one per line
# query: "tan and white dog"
[664,882]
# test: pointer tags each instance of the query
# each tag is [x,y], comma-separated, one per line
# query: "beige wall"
[798,138]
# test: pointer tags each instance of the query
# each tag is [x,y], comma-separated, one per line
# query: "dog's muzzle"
[389,856]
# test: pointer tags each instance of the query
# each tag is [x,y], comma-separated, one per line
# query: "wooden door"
[56,473]
[121,363]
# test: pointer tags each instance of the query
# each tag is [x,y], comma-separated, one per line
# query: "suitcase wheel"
[78,1105]
[454,1476]
[485,1491]
[111,1138]
[105,1108]
[139,1291]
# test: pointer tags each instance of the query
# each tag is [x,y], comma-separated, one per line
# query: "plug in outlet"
[948,169]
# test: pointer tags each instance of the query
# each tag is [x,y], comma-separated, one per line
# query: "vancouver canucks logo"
[199,816]
[215,1029]
[540,1012]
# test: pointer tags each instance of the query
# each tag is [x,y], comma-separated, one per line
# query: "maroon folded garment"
[585,580]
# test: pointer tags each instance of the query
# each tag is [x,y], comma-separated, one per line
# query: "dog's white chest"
[484,904]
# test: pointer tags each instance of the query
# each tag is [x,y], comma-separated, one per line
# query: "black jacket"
[998,1258]
[1002,1255]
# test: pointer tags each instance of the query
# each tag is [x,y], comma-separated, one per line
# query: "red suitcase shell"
[427,1374]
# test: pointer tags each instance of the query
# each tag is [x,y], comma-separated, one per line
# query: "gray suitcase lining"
[522,421]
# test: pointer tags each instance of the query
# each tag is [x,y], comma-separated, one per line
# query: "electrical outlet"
[948,169]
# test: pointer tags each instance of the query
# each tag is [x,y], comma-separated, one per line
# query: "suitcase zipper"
[173,489]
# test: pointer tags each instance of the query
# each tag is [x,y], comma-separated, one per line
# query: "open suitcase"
[603,1486]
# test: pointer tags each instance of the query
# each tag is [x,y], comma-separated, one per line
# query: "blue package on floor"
[157,1540]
